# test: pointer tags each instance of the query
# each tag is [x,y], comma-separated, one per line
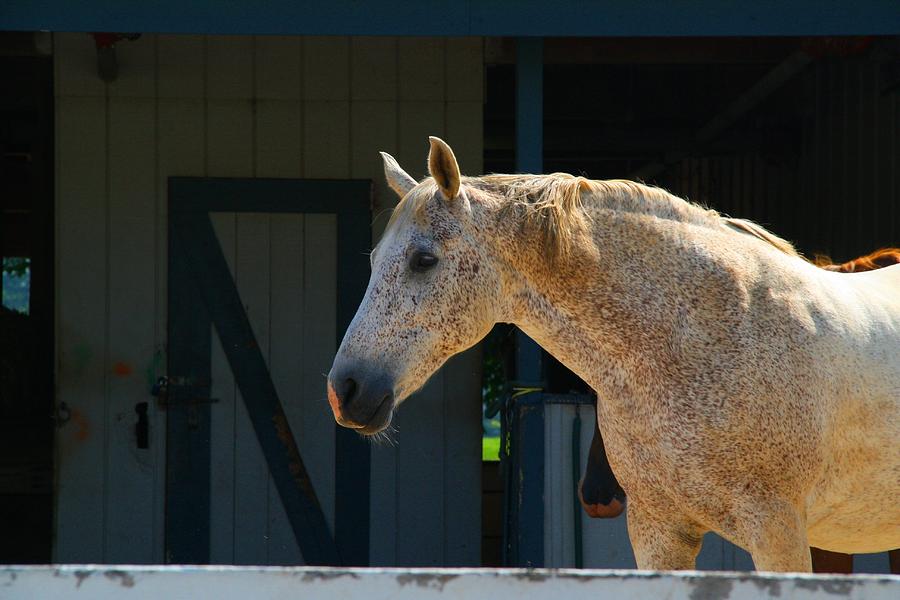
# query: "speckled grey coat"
[742,390]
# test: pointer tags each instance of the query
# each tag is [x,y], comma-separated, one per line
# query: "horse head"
[432,294]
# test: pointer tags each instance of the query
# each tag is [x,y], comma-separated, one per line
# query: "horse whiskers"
[384,437]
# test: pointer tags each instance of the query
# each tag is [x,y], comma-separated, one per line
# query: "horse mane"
[552,207]
[757,231]
[879,259]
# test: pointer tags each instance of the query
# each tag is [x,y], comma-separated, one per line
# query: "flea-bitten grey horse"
[742,389]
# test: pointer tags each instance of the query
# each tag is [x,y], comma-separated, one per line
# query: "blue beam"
[529,159]
[529,105]
[529,476]
[562,18]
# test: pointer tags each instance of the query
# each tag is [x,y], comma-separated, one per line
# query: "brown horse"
[602,497]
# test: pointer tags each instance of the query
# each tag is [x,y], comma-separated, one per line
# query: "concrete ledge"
[100,582]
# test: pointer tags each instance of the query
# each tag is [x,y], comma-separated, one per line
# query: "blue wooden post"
[529,525]
[529,159]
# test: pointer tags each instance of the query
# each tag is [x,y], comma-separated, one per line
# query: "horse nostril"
[347,390]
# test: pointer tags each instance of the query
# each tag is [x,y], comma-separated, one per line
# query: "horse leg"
[778,539]
[662,543]
[600,494]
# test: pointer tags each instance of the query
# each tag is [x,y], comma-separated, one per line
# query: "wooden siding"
[244,107]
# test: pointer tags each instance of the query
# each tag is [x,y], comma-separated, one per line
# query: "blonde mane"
[552,207]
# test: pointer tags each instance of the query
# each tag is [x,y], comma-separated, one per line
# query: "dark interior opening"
[26,316]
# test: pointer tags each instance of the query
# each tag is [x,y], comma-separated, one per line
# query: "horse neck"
[610,309]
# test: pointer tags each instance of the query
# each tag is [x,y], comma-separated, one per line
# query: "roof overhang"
[559,18]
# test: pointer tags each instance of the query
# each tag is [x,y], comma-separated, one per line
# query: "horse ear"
[399,180]
[443,167]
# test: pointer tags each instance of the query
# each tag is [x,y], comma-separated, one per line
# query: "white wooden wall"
[73,582]
[240,107]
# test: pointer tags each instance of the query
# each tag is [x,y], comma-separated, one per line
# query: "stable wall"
[218,106]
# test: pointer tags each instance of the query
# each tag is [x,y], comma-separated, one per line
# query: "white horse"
[742,390]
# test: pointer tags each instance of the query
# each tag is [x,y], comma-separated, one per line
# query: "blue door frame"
[202,294]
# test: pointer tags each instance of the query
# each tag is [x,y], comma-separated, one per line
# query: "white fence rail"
[101,582]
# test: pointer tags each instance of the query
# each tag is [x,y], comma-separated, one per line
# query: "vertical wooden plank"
[132,321]
[229,138]
[279,138]
[712,553]
[188,433]
[420,481]
[286,361]
[866,160]
[317,437]
[326,65]
[278,67]
[373,68]
[383,506]
[819,138]
[229,67]
[465,70]
[326,89]
[251,481]
[465,133]
[835,159]
[222,420]
[81,328]
[75,57]
[229,153]
[278,147]
[550,455]
[606,544]
[374,129]
[181,64]
[422,69]
[326,139]
[895,171]
[886,134]
[554,458]
[180,135]
[137,68]
[417,120]
[462,460]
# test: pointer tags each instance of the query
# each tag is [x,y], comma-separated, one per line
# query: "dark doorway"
[26,316]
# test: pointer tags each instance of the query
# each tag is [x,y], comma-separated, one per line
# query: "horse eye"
[422,261]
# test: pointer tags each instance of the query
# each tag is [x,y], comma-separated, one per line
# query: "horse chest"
[644,450]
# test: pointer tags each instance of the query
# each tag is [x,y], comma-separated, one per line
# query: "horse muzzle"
[360,400]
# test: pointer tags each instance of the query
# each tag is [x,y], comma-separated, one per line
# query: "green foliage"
[493,391]
[16,266]
[16,283]
[490,448]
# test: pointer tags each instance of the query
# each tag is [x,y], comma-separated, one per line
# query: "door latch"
[176,391]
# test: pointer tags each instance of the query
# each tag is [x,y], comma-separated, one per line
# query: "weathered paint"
[100,582]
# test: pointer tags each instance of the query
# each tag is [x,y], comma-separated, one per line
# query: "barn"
[189,194]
